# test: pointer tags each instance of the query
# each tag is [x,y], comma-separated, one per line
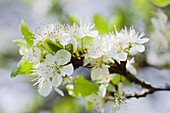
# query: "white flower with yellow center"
[100,46]
[50,72]
[135,40]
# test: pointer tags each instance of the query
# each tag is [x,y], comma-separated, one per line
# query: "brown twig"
[150,91]
[77,62]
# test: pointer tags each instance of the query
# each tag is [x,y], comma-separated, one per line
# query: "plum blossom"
[67,39]
[119,99]
[86,30]
[132,40]
[101,74]
[50,72]
[130,67]
[97,98]
[46,31]
[33,55]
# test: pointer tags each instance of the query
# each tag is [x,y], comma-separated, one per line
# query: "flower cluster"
[50,49]
[110,48]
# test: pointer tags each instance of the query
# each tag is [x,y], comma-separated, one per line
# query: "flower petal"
[93,33]
[122,56]
[45,89]
[79,34]
[57,80]
[50,59]
[95,73]
[140,48]
[143,40]
[105,70]
[64,39]
[62,57]
[133,50]
[102,90]
[59,91]
[67,70]
[132,70]
[74,42]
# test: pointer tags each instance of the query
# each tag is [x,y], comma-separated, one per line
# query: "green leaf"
[51,46]
[116,79]
[27,34]
[72,20]
[83,88]
[40,46]
[70,48]
[67,105]
[20,42]
[161,3]
[115,20]
[23,67]
[100,24]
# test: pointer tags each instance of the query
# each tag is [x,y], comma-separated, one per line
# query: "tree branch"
[150,91]
[118,69]
[77,62]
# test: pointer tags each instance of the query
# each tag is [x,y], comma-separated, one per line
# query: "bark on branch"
[77,62]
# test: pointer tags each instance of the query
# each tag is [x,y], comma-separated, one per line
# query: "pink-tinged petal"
[143,40]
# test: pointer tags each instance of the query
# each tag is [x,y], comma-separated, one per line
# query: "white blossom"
[50,72]
[130,67]
[86,30]
[119,99]
[46,31]
[97,101]
[133,38]
[33,56]
[67,39]
[100,46]
[102,75]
